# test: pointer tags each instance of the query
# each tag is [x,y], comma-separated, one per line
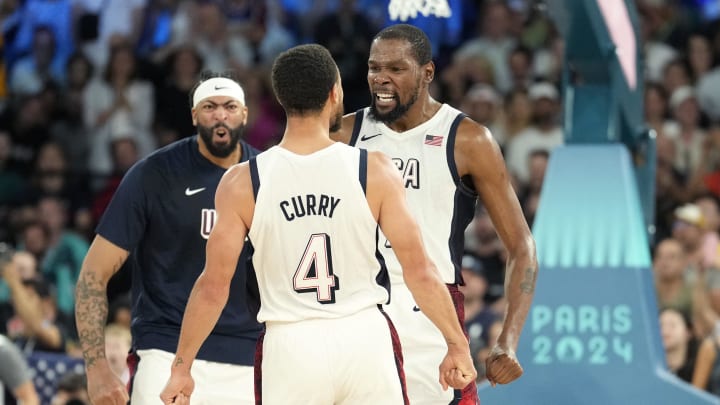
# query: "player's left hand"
[178,389]
[502,366]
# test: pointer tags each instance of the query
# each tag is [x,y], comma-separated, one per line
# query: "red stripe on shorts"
[132,361]
[258,368]
[469,394]
[397,352]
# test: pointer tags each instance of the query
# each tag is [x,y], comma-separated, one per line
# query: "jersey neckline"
[420,129]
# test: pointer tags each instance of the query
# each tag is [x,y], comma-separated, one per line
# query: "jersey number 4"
[315,271]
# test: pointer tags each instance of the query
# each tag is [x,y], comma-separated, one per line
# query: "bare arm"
[703,366]
[91,306]
[15,373]
[210,293]
[478,155]
[386,196]
[28,306]
[26,394]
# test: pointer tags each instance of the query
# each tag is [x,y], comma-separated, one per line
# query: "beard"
[336,121]
[221,150]
[397,112]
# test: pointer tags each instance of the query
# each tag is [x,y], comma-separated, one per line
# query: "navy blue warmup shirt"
[162,213]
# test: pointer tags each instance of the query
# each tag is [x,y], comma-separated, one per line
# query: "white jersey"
[440,202]
[314,235]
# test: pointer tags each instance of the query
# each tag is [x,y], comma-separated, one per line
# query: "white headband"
[218,86]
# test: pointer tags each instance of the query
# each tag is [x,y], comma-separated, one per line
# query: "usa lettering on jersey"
[410,171]
[309,204]
[207,221]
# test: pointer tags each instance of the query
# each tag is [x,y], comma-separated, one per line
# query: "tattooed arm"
[91,309]
[477,155]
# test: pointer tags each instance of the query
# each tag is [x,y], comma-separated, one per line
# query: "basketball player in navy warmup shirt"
[160,219]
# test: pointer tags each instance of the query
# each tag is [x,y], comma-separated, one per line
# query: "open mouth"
[221,133]
[384,98]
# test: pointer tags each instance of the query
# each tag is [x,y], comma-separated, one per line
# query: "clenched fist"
[502,366]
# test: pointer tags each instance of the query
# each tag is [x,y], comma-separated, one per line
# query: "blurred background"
[89,87]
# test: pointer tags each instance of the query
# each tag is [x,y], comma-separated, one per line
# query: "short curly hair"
[302,78]
[418,40]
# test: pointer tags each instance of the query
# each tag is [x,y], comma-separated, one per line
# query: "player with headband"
[160,219]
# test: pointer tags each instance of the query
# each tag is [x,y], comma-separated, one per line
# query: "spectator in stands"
[11,182]
[699,56]
[544,133]
[28,123]
[689,230]
[676,74]
[119,312]
[685,130]
[488,248]
[478,314]
[669,264]
[15,376]
[37,325]
[64,254]
[53,14]
[119,99]
[655,107]
[71,390]
[70,132]
[495,42]
[710,210]
[515,118]
[180,70]
[680,346]
[33,72]
[210,36]
[481,355]
[347,34]
[117,347]
[706,375]
[482,104]
[520,63]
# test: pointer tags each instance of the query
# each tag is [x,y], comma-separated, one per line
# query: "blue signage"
[592,336]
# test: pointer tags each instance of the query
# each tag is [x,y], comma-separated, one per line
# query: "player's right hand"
[457,369]
[178,389]
[105,388]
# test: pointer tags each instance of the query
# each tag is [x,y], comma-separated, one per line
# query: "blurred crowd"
[89,87]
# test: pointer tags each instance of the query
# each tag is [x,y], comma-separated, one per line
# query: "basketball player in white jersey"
[311,208]
[447,161]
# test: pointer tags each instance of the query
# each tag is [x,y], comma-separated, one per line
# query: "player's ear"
[336,93]
[429,72]
[193,114]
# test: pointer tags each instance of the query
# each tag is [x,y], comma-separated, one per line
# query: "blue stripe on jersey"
[463,213]
[450,149]
[359,115]
[383,276]
[363,169]
[464,203]
[254,176]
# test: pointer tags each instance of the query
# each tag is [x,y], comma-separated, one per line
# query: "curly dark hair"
[209,74]
[302,78]
[419,42]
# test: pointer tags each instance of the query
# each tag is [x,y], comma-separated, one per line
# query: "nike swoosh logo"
[416,308]
[220,88]
[366,137]
[189,192]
